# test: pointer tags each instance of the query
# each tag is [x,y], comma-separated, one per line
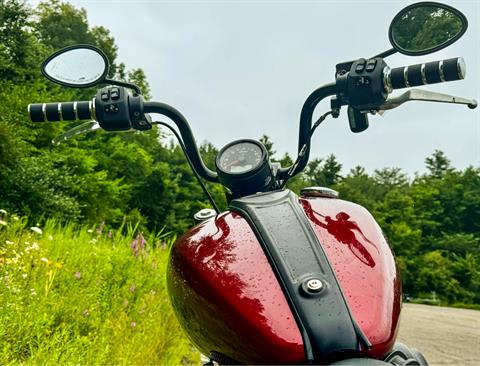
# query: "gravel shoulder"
[445,336]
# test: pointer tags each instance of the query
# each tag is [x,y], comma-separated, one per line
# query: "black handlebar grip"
[36,112]
[423,74]
[69,111]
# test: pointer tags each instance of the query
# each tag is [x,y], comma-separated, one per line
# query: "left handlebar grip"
[68,111]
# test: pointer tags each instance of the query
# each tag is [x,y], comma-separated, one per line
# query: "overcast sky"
[240,69]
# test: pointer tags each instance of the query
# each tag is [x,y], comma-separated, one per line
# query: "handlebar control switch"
[364,85]
[115,93]
[137,115]
[112,110]
[360,65]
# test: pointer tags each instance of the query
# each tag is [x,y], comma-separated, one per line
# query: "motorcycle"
[277,278]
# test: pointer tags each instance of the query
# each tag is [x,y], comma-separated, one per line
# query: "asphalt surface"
[445,336]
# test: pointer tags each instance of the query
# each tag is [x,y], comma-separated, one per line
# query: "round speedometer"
[240,158]
[243,167]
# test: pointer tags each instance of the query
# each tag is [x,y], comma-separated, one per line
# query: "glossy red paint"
[227,298]
[363,264]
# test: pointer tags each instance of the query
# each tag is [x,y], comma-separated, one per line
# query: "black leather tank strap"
[304,272]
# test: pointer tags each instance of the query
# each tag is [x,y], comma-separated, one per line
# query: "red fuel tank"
[229,302]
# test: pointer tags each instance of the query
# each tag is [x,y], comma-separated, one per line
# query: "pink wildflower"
[138,244]
[100,228]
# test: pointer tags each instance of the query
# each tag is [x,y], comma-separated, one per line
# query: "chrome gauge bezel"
[261,163]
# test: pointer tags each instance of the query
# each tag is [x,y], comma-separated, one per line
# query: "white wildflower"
[24,275]
[3,223]
[89,231]
[43,259]
[36,229]
[16,218]
[34,246]
[9,242]
[3,212]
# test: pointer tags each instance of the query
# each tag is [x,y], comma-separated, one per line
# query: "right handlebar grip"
[427,73]
[68,111]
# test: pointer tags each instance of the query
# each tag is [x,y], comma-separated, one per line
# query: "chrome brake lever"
[426,96]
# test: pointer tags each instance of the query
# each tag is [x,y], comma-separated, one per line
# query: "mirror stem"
[123,83]
[387,53]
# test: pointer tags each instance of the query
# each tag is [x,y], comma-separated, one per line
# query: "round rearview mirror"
[78,66]
[426,27]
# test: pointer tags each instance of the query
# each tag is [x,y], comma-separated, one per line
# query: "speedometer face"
[240,158]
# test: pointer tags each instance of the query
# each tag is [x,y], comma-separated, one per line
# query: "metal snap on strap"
[314,285]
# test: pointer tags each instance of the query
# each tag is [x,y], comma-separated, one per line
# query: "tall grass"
[78,295]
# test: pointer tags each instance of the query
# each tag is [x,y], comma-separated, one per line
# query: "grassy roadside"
[458,305]
[78,295]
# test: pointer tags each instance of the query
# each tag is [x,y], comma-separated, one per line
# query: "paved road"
[445,336]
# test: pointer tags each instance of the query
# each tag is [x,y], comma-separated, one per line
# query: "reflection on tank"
[343,229]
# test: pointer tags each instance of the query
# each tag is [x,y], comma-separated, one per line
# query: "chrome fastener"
[314,285]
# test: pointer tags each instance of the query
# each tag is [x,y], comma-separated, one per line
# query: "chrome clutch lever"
[426,96]
[77,130]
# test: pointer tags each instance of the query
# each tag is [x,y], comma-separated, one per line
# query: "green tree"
[323,172]
[265,140]
[359,187]
[19,52]
[438,164]
[389,179]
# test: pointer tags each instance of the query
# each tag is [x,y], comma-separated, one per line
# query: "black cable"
[180,141]
[304,148]
[306,118]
